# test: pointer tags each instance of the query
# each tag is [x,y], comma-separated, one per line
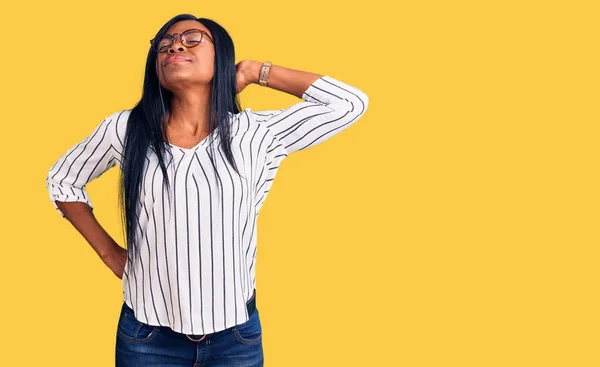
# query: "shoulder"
[114,126]
[249,120]
[117,126]
[259,117]
[254,125]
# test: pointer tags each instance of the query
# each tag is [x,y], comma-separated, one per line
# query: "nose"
[174,47]
[176,44]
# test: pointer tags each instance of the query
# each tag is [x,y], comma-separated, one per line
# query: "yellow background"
[455,224]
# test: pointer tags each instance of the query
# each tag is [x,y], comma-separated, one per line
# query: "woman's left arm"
[328,106]
[283,79]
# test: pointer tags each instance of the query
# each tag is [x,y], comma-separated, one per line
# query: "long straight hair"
[147,124]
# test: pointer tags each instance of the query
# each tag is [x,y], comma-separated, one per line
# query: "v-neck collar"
[201,143]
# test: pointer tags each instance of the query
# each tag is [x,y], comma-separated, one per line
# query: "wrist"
[253,71]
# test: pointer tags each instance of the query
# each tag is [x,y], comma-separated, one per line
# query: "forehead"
[184,25]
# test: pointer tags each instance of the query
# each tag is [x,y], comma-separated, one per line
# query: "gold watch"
[264,74]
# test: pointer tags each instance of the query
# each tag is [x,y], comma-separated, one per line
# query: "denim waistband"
[250,306]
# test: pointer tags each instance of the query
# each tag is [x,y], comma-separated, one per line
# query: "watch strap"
[264,74]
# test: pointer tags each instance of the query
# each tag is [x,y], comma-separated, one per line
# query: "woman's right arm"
[67,178]
[81,217]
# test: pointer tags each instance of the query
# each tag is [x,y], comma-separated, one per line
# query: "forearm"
[81,217]
[284,79]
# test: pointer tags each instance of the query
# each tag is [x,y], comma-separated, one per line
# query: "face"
[184,67]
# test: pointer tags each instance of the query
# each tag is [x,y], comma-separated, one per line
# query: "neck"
[190,110]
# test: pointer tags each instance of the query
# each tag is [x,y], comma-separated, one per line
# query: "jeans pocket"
[249,332]
[133,330]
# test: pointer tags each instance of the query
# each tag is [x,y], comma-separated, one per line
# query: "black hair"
[146,127]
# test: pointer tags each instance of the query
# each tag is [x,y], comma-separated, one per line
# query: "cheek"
[208,67]
[204,67]
[205,58]
[205,61]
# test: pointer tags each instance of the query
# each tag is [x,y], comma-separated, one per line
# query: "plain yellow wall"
[455,224]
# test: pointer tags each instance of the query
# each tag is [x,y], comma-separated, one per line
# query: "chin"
[175,82]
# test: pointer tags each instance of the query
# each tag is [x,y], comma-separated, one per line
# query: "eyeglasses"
[189,38]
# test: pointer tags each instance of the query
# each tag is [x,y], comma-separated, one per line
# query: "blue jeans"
[139,344]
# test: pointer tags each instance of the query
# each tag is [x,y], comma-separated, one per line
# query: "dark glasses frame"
[172,36]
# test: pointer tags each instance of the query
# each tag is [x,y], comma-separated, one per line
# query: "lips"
[173,59]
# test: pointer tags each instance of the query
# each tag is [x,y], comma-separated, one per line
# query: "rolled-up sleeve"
[329,106]
[88,159]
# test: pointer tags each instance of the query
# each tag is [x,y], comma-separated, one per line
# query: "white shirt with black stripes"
[196,266]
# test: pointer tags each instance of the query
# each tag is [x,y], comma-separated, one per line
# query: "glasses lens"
[191,38]
[164,43]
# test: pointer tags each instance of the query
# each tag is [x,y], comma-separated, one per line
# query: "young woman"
[195,171]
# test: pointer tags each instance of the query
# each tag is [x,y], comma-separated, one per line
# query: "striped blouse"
[195,270]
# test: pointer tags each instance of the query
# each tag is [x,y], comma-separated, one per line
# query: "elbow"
[363,99]
[60,194]
[357,105]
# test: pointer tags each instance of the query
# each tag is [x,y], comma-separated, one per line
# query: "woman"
[195,171]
